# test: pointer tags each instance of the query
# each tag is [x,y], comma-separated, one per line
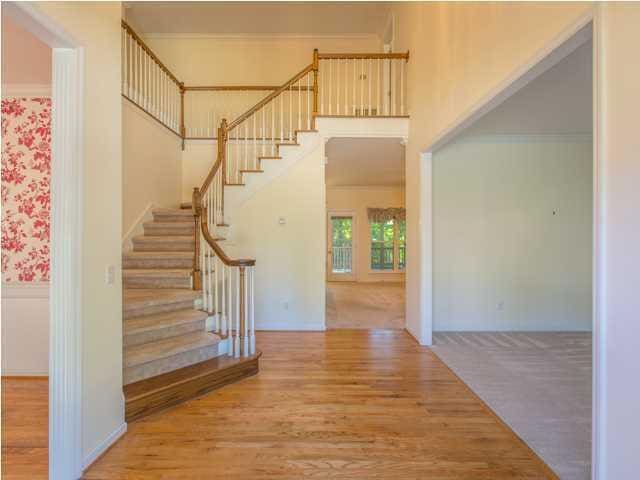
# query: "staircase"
[189,320]
[164,331]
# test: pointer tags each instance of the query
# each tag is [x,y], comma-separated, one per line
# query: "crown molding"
[26,90]
[257,36]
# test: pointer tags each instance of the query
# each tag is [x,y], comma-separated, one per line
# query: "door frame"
[352,277]
[65,304]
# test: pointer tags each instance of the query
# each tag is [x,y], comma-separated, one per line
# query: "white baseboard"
[285,326]
[416,336]
[112,438]
[137,227]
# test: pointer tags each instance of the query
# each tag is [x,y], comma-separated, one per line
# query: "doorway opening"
[512,252]
[366,239]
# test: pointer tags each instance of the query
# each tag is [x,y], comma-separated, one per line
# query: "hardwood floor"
[25,427]
[348,404]
[365,305]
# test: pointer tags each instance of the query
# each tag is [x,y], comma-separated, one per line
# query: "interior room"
[512,249]
[26,175]
[366,228]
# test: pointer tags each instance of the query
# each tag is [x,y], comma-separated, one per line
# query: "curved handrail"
[246,262]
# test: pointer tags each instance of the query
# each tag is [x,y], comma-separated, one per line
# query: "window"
[388,245]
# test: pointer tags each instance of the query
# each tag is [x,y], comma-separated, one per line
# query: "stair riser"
[165,307]
[163,365]
[147,282]
[180,229]
[163,246]
[171,218]
[157,263]
[160,334]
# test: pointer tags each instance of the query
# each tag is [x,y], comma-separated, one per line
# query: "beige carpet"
[365,305]
[538,383]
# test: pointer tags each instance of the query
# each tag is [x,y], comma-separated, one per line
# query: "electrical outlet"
[110,275]
[285,305]
[500,305]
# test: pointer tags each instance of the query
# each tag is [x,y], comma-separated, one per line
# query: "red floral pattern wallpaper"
[26,173]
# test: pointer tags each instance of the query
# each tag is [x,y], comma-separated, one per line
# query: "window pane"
[342,237]
[402,247]
[382,236]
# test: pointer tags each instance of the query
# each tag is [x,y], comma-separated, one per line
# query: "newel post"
[316,66]
[183,130]
[196,206]
[222,148]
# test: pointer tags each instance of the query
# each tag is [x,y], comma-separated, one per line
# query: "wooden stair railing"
[334,84]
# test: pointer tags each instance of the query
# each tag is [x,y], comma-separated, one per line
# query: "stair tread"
[173,211]
[157,272]
[158,321]
[157,224]
[168,347]
[147,297]
[164,238]
[159,255]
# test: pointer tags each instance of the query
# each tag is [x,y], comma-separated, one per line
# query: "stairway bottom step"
[157,393]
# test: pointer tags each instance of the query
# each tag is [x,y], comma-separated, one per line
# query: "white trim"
[112,438]
[425,227]
[287,326]
[25,290]
[599,380]
[400,186]
[137,228]
[12,90]
[65,352]
[257,36]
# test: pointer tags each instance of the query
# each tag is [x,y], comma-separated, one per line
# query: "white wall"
[502,260]
[151,165]
[96,26]
[197,159]
[619,335]
[289,258]
[25,328]
[247,60]
[358,199]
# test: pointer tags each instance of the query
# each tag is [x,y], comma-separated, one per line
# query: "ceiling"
[364,162]
[557,102]
[258,18]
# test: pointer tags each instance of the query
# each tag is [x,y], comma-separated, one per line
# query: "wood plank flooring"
[347,404]
[25,427]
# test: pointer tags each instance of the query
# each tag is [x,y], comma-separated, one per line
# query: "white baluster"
[211,310]
[308,104]
[321,83]
[281,117]
[378,89]
[237,314]
[361,87]
[299,106]
[245,333]
[393,88]
[290,112]
[273,132]
[355,63]
[252,326]
[202,265]
[225,311]
[369,78]
[402,67]
[330,82]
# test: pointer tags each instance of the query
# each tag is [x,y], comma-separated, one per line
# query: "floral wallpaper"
[26,173]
